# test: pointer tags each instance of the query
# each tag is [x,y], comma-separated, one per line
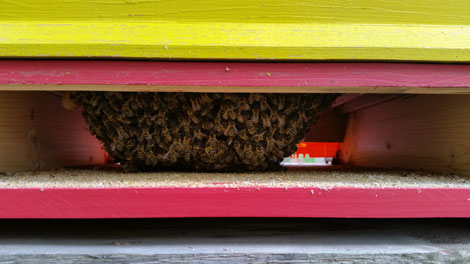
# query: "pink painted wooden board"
[234,74]
[234,202]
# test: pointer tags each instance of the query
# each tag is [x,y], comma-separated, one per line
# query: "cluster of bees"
[200,131]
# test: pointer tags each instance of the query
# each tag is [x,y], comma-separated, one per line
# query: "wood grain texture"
[250,41]
[37,133]
[234,77]
[221,29]
[429,132]
[432,12]
[233,202]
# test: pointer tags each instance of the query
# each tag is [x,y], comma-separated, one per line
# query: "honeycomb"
[200,131]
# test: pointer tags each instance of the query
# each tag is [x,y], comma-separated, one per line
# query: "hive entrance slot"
[416,132]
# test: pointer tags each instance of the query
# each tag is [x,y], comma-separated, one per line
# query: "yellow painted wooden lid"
[418,30]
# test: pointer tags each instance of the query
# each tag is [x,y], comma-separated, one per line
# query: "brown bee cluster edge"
[200,131]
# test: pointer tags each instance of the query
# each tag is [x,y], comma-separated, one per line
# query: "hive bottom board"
[299,192]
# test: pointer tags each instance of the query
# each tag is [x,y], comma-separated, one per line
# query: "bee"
[254,97]
[243,135]
[281,142]
[281,121]
[117,95]
[115,105]
[166,136]
[290,109]
[228,158]
[273,115]
[112,147]
[106,122]
[146,134]
[205,99]
[156,138]
[229,113]
[127,110]
[291,130]
[194,119]
[281,103]
[195,104]
[273,98]
[174,128]
[68,103]
[141,118]
[187,148]
[250,127]
[198,134]
[140,152]
[247,151]
[269,145]
[184,124]
[258,137]
[108,113]
[266,120]
[196,149]
[230,130]
[206,109]
[237,146]
[272,131]
[240,119]
[135,104]
[294,117]
[161,118]
[119,147]
[152,159]
[130,144]
[187,155]
[242,104]
[173,157]
[94,101]
[224,111]
[279,153]
[207,125]
[172,102]
[216,96]
[229,96]
[211,151]
[263,106]
[212,140]
[177,145]
[303,118]
[180,97]
[255,116]
[259,152]
[162,145]
[218,126]
[121,133]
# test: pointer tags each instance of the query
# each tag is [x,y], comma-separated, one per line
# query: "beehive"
[246,47]
[200,131]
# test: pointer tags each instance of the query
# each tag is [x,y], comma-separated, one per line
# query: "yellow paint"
[441,12]
[245,29]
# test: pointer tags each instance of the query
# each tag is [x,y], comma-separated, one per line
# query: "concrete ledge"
[236,241]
